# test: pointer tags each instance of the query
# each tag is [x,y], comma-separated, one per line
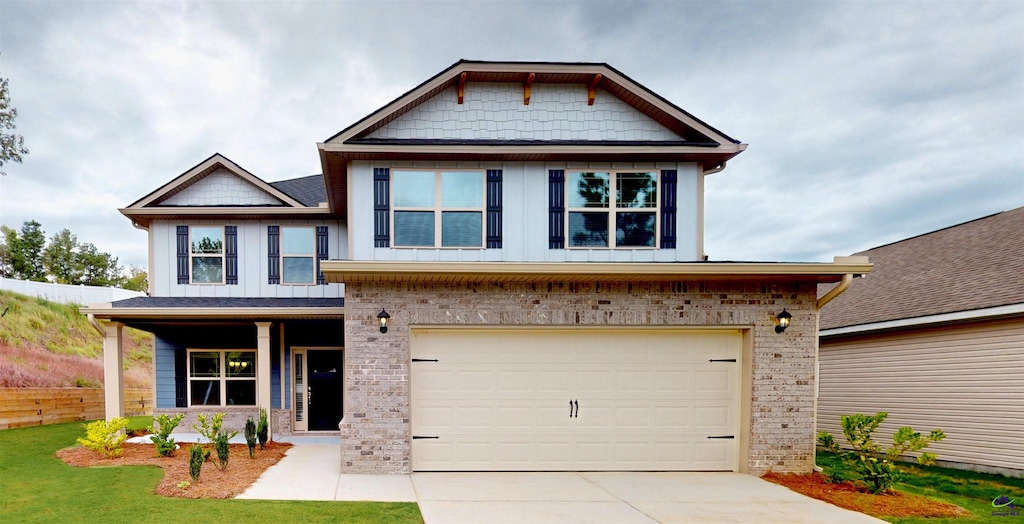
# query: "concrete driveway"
[313,472]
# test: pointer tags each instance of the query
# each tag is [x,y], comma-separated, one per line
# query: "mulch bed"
[849,496]
[213,483]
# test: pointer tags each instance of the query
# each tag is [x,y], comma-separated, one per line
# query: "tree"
[98,268]
[12,145]
[137,279]
[59,258]
[23,252]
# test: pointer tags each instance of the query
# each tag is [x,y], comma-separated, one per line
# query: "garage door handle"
[574,404]
[722,360]
[724,436]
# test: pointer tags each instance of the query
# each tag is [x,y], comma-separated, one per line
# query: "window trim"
[612,210]
[222,379]
[438,209]
[222,256]
[312,255]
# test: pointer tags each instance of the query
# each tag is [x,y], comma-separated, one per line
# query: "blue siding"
[164,365]
[275,378]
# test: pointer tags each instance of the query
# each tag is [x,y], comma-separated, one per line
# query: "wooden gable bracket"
[526,88]
[462,87]
[592,89]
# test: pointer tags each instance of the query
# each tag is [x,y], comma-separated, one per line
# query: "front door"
[318,392]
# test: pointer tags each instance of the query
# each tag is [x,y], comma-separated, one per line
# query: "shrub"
[250,436]
[209,426]
[262,429]
[105,437]
[161,438]
[221,443]
[196,457]
[866,460]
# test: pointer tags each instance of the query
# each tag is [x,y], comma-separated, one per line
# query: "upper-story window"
[438,208]
[207,254]
[298,252]
[612,209]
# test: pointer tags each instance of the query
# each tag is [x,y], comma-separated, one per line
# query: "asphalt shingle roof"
[974,265]
[309,190]
[210,302]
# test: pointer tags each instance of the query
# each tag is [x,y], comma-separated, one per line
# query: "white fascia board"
[958,316]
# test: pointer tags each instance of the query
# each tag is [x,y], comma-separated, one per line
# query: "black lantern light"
[783,321]
[383,317]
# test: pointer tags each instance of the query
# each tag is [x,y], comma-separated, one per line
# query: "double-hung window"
[222,378]
[438,208]
[207,254]
[612,209]
[298,253]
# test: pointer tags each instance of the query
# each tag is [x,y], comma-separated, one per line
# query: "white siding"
[495,111]
[221,188]
[252,261]
[525,216]
[967,380]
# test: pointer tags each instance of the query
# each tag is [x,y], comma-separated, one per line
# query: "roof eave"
[108,312]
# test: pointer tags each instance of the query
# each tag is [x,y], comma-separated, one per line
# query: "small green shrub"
[105,437]
[250,436]
[196,457]
[262,429]
[867,461]
[209,426]
[161,438]
[221,443]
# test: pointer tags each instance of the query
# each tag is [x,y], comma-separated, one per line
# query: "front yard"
[36,486]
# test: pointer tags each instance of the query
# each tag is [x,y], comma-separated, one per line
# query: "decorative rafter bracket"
[592,89]
[526,88]
[462,87]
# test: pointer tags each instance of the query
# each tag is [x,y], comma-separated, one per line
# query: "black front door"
[324,389]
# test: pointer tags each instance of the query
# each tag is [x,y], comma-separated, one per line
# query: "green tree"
[137,279]
[98,268]
[23,252]
[60,258]
[12,145]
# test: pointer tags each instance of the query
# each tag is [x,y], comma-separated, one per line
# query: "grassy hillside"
[46,344]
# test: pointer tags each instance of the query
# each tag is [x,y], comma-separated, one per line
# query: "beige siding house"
[935,337]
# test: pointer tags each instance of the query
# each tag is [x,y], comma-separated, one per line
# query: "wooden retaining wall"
[37,406]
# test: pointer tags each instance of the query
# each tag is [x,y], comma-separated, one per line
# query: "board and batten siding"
[252,261]
[525,216]
[965,379]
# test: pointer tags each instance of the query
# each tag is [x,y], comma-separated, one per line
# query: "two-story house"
[502,269]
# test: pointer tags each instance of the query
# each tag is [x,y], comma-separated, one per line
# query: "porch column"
[113,370]
[263,370]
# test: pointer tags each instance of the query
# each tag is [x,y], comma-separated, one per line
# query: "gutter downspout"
[844,284]
[95,323]
[716,169]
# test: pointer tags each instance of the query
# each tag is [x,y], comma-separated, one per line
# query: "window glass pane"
[205,393]
[461,228]
[297,270]
[207,270]
[240,364]
[207,240]
[413,188]
[204,364]
[240,392]
[297,241]
[634,229]
[414,228]
[587,189]
[588,229]
[636,190]
[462,189]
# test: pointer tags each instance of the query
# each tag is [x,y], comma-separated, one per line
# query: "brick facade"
[375,430]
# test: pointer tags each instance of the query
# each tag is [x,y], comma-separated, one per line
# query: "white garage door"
[575,400]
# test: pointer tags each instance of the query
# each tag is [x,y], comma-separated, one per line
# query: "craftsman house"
[501,269]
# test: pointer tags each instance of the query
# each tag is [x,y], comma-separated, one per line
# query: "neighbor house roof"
[976,266]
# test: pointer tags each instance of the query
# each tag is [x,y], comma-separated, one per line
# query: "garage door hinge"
[722,360]
[424,360]
[714,436]
[418,437]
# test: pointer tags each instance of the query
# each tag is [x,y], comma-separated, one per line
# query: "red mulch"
[849,496]
[213,483]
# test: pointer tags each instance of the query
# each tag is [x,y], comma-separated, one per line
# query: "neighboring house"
[935,337]
[533,234]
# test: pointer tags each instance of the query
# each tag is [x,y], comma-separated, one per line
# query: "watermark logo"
[1004,507]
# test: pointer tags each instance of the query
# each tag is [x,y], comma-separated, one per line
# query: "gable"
[221,188]
[495,111]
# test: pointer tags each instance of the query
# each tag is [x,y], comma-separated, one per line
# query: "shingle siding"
[221,188]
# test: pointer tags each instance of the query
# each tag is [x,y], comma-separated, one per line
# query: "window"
[222,378]
[438,208]
[612,209]
[207,254]
[298,252]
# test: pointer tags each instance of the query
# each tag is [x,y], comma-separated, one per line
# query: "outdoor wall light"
[783,321]
[383,317]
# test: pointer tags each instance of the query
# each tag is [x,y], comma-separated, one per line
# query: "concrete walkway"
[313,472]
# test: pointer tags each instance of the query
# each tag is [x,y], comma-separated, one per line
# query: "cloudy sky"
[868,122]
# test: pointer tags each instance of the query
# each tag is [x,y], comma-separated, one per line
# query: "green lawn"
[35,486]
[967,489]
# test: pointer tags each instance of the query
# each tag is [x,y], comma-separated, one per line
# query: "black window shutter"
[273,255]
[668,209]
[183,254]
[231,255]
[381,207]
[180,378]
[556,209]
[493,208]
[321,252]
